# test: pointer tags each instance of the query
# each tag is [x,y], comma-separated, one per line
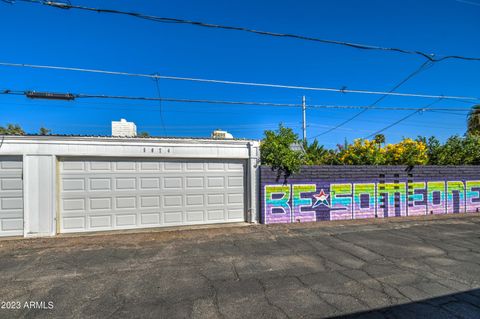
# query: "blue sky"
[41,35]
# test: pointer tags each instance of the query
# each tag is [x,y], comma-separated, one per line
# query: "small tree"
[12,129]
[434,148]
[473,121]
[460,151]
[143,134]
[44,131]
[276,151]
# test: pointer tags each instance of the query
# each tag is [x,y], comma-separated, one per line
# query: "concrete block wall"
[319,193]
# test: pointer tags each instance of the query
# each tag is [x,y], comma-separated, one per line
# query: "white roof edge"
[139,140]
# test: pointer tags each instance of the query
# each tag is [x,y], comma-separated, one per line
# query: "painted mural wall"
[317,199]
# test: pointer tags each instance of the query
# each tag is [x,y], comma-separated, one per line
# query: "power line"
[446,112]
[403,119]
[410,76]
[254,84]
[428,56]
[252,103]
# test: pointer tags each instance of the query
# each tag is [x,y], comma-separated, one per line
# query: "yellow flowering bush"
[362,152]
[406,152]
[367,152]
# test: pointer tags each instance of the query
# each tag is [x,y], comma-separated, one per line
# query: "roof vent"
[219,134]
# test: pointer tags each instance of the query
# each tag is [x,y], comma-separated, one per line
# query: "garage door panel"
[173,217]
[195,182]
[11,184]
[101,203]
[172,183]
[238,167]
[215,166]
[126,220]
[101,221]
[150,219]
[73,223]
[11,196]
[135,193]
[150,202]
[11,164]
[125,202]
[235,198]
[11,203]
[125,166]
[73,166]
[150,166]
[126,183]
[235,213]
[215,182]
[73,204]
[150,183]
[195,167]
[195,199]
[175,201]
[100,184]
[73,184]
[99,166]
[172,167]
[215,214]
[10,225]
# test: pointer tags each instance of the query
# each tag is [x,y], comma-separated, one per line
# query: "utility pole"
[304,122]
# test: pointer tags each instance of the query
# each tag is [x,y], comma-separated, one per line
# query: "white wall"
[40,155]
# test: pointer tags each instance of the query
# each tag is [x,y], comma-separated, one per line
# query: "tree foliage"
[473,121]
[457,150]
[44,131]
[276,151]
[314,153]
[12,129]
[143,134]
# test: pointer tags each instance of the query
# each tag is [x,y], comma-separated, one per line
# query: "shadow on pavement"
[460,305]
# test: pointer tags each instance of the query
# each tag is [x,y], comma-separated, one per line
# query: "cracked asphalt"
[368,269]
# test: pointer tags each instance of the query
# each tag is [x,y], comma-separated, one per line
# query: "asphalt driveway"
[398,269]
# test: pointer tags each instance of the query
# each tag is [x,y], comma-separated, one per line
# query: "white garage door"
[105,194]
[11,196]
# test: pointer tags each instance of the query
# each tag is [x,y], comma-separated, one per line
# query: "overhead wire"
[430,60]
[426,108]
[418,70]
[428,56]
[226,102]
[254,84]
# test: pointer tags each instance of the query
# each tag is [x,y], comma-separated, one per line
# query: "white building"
[65,184]
[123,128]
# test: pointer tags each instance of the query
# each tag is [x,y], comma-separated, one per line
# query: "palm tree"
[314,152]
[473,121]
[379,139]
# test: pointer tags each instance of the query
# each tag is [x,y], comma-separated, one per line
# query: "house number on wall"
[157,150]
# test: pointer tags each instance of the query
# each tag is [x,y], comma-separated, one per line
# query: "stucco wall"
[319,193]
